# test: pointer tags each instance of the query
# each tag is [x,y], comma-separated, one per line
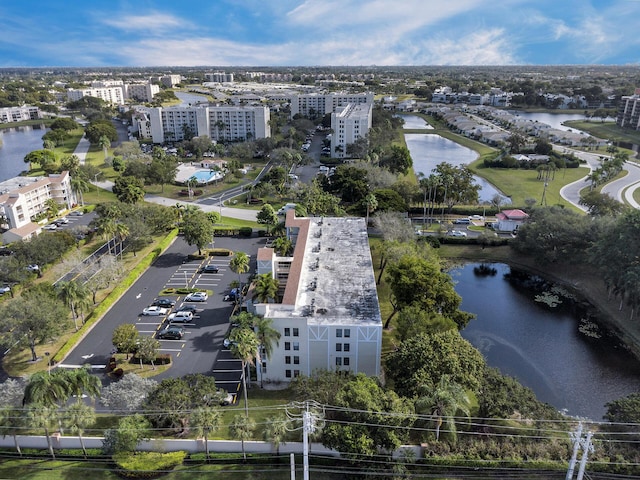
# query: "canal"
[15,143]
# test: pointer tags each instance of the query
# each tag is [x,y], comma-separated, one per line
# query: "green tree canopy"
[197,229]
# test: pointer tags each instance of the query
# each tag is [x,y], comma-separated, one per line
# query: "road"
[201,350]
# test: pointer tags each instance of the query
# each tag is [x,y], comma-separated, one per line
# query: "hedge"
[114,295]
[147,464]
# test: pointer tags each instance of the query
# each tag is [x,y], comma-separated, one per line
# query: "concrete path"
[82,149]
[239,213]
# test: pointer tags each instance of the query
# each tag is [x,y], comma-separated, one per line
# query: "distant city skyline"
[101,33]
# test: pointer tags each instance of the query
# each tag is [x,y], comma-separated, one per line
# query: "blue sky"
[318,32]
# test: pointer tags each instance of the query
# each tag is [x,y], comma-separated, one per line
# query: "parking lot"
[201,348]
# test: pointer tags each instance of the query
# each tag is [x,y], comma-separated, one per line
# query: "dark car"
[232,296]
[171,333]
[210,269]
[164,302]
[187,308]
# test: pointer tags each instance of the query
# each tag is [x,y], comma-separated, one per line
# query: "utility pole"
[575,436]
[587,447]
[579,443]
[310,422]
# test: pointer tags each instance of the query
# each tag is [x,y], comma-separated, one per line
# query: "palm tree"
[443,402]
[104,144]
[204,420]
[80,382]
[244,345]
[282,246]
[267,335]
[11,423]
[106,227]
[240,265]
[266,287]
[276,430]
[242,428]
[79,185]
[121,231]
[72,293]
[372,203]
[43,416]
[77,418]
[46,388]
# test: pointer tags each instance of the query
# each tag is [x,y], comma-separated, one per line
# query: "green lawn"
[606,130]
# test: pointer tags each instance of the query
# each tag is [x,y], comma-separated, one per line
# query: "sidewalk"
[238,213]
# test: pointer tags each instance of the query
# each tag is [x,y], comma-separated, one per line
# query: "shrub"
[219,252]
[147,464]
[245,231]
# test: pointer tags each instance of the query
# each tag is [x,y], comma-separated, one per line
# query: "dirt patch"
[582,279]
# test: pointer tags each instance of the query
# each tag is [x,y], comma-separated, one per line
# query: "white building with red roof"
[510,220]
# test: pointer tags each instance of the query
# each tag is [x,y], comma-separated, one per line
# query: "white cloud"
[151,22]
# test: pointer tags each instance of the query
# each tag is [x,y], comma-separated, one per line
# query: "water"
[206,176]
[188,99]
[16,143]
[543,348]
[412,122]
[428,150]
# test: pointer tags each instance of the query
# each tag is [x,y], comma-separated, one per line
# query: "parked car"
[187,308]
[181,317]
[164,302]
[154,310]
[77,213]
[462,221]
[226,398]
[172,332]
[51,226]
[457,233]
[5,289]
[232,295]
[62,221]
[4,251]
[33,268]
[196,297]
[210,269]
[476,217]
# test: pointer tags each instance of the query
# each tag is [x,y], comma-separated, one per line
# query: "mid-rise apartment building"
[319,104]
[141,92]
[22,198]
[220,123]
[19,114]
[629,111]
[349,123]
[219,77]
[114,95]
[329,315]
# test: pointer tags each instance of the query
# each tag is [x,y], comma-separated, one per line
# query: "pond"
[15,143]
[413,122]
[541,346]
[428,150]
[188,99]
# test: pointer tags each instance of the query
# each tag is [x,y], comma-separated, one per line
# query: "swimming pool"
[206,176]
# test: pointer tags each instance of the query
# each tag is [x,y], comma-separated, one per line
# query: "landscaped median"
[114,296]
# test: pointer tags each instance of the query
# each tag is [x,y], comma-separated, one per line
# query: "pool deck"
[187,170]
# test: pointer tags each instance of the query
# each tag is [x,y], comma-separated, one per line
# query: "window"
[287,345]
[296,332]
[296,360]
[339,332]
[346,347]
[287,332]
[296,345]
[264,367]
[346,361]
[296,373]
[287,359]
[338,361]
[287,373]
[338,347]
[347,332]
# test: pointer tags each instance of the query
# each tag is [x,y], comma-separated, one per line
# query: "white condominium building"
[142,92]
[21,198]
[220,123]
[319,104]
[19,114]
[114,95]
[329,315]
[219,77]
[629,111]
[349,124]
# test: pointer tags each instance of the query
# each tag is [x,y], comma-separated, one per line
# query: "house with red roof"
[510,220]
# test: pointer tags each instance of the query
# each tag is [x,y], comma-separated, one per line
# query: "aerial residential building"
[220,123]
[22,198]
[319,104]
[349,123]
[329,315]
[141,92]
[629,111]
[219,77]
[170,81]
[18,114]
[114,95]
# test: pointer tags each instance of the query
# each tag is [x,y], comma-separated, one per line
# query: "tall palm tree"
[372,203]
[45,417]
[242,428]
[72,293]
[46,388]
[240,265]
[80,382]
[267,335]
[443,402]
[282,246]
[275,431]
[77,418]
[11,423]
[121,231]
[204,420]
[266,287]
[104,144]
[79,185]
[106,227]
[244,345]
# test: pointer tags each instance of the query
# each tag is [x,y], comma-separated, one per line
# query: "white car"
[155,311]
[457,233]
[181,317]
[197,297]
[51,226]
[5,289]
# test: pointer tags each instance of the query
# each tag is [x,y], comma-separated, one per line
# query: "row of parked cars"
[162,307]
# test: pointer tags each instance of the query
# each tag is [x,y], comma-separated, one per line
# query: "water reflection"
[15,143]
[412,122]
[542,347]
